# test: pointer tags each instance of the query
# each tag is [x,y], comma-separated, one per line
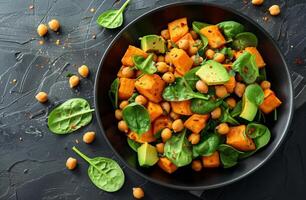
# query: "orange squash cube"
[180,60]
[178,28]
[166,165]
[214,36]
[258,58]
[127,59]
[181,107]
[211,161]
[196,122]
[238,139]
[161,123]
[155,110]
[270,103]
[126,88]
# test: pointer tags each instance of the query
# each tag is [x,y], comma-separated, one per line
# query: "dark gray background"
[32,160]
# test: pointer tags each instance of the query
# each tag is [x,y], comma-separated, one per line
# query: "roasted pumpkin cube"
[181,107]
[143,138]
[161,123]
[196,122]
[127,59]
[187,37]
[126,88]
[238,139]
[166,165]
[180,60]
[230,84]
[270,102]
[155,110]
[214,36]
[178,28]
[211,161]
[258,58]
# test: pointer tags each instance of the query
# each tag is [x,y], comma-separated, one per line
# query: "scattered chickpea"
[83,71]
[160,148]
[219,57]
[118,114]
[193,50]
[239,89]
[166,107]
[194,138]
[162,67]
[177,125]
[194,35]
[231,102]
[74,81]
[167,58]
[201,86]
[42,97]
[216,113]
[71,163]
[221,91]
[160,59]
[165,34]
[141,100]
[223,128]
[265,85]
[122,126]
[171,69]
[196,165]
[54,25]
[274,10]
[183,44]
[168,77]
[155,57]
[197,60]
[89,137]
[42,30]
[257,2]
[210,53]
[166,134]
[127,72]
[138,193]
[174,115]
[123,104]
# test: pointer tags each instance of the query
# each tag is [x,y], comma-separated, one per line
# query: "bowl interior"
[152,23]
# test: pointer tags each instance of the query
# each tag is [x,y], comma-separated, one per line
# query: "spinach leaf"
[112,18]
[207,146]
[146,65]
[178,150]
[105,173]
[70,116]
[254,94]
[181,91]
[227,51]
[231,28]
[246,66]
[133,144]
[237,110]
[201,106]
[226,117]
[262,75]
[254,130]
[113,93]
[228,155]
[197,26]
[133,97]
[191,78]
[137,118]
[243,40]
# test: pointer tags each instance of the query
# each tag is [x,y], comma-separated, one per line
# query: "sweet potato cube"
[239,140]
[268,92]
[126,88]
[270,103]
[214,36]
[166,165]
[155,110]
[151,86]
[230,84]
[127,59]
[196,122]
[187,37]
[143,138]
[181,107]
[178,28]
[211,161]
[258,58]
[161,123]
[180,60]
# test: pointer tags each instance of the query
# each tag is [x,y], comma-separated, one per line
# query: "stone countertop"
[32,160]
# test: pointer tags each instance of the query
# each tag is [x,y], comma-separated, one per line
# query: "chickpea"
[201,86]
[183,44]
[193,50]
[231,102]
[223,128]
[138,193]
[168,77]
[171,69]
[196,165]
[89,137]
[141,100]
[155,57]
[123,104]
[74,81]
[160,148]
[216,113]
[177,125]
[274,10]
[210,53]
[166,107]
[239,89]
[118,114]
[165,34]
[160,59]
[162,67]
[122,126]
[265,85]
[42,30]
[71,163]
[42,97]
[257,2]
[166,134]
[197,60]
[174,115]
[127,72]
[167,58]
[194,35]
[54,25]
[221,91]
[83,71]
[219,57]
[194,138]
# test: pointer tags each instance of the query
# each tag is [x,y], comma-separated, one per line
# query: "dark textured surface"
[32,159]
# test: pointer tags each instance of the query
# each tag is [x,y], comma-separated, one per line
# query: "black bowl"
[152,23]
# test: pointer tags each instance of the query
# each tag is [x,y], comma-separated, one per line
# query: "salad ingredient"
[228,155]
[166,107]
[196,165]
[207,146]
[213,73]
[239,89]
[127,72]
[174,115]
[112,18]
[160,59]
[42,97]
[168,77]
[141,100]
[216,113]
[181,60]
[105,173]
[133,144]
[74,81]
[147,155]
[122,126]
[42,30]
[71,163]
[230,85]
[127,59]
[146,65]
[265,85]
[274,10]
[194,138]
[249,109]
[243,40]
[231,28]
[201,87]
[191,77]
[245,65]
[161,123]
[89,137]
[201,106]
[219,57]
[258,58]
[221,91]
[177,125]
[178,28]
[83,71]
[153,43]
[210,54]
[270,103]
[254,93]
[123,104]
[181,108]
[195,123]
[113,93]
[231,102]
[162,67]
[166,134]
[223,128]
[138,193]
[160,148]
[238,139]
[70,116]
[126,88]
[211,161]
[214,36]
[226,117]
[155,110]
[165,164]
[257,2]
[183,44]
[165,34]
[54,25]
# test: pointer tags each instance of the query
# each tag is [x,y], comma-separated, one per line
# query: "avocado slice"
[249,109]
[213,73]
[153,43]
[147,155]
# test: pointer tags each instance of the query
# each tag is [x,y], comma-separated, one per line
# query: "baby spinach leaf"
[137,118]
[181,91]
[197,26]
[70,116]
[201,106]
[227,51]
[112,18]
[133,144]
[231,28]
[228,155]
[133,97]
[262,75]
[207,146]
[113,93]
[226,117]
[178,150]
[237,110]
[246,66]
[105,173]
[243,40]
[146,65]
[191,78]
[254,130]
[254,94]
